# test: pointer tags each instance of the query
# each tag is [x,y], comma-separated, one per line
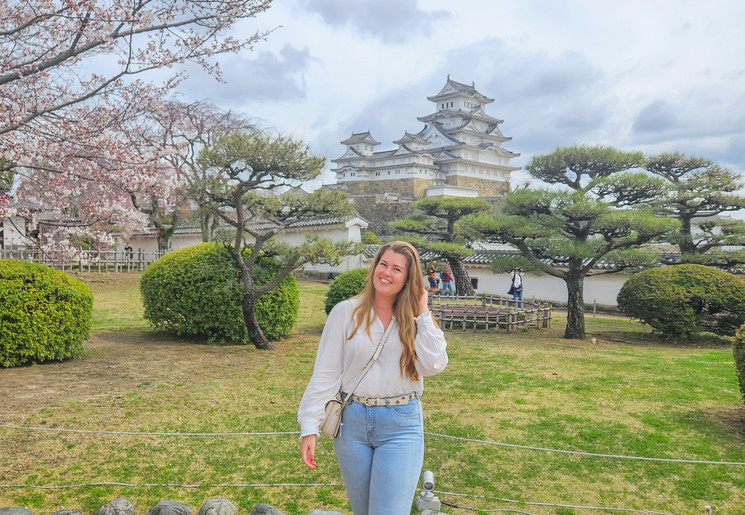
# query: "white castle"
[458,153]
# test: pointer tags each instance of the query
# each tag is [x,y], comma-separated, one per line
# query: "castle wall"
[487,188]
[408,187]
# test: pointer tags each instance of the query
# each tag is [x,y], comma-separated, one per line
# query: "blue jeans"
[448,286]
[517,298]
[380,450]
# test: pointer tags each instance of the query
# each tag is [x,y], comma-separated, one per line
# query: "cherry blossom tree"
[189,128]
[71,76]
[167,141]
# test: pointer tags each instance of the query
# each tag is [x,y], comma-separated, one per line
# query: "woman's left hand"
[423,302]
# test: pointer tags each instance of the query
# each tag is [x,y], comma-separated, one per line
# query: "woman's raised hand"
[423,302]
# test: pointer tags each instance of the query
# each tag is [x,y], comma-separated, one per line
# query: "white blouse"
[340,361]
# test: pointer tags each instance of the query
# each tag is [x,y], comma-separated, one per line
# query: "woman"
[517,288]
[432,278]
[447,282]
[380,446]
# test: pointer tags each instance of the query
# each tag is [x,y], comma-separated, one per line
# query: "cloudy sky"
[649,75]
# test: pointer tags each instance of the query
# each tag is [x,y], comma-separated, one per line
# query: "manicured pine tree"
[594,204]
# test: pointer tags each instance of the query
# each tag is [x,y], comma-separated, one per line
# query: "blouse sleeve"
[430,346]
[326,378]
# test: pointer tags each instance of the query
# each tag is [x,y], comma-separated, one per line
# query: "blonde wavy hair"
[405,306]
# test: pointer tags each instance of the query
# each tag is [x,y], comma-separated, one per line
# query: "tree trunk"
[575,328]
[686,238]
[163,233]
[255,334]
[463,284]
[208,224]
[162,237]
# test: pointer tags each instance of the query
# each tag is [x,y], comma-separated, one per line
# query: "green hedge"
[344,286]
[45,315]
[197,292]
[682,300]
[738,350]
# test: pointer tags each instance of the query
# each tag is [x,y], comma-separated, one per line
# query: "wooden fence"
[489,312]
[85,260]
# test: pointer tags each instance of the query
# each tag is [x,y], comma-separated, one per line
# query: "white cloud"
[393,21]
[656,76]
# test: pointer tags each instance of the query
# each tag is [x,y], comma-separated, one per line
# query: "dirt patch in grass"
[120,361]
[732,417]
[113,362]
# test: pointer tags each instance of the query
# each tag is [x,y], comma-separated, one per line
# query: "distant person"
[447,281]
[129,251]
[516,290]
[432,278]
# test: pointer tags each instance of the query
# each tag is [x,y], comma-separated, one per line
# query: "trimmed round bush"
[738,350]
[45,315]
[682,300]
[370,238]
[344,286]
[197,292]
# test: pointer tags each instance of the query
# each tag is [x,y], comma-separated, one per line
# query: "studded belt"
[384,401]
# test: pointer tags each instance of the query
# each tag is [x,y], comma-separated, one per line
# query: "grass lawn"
[630,394]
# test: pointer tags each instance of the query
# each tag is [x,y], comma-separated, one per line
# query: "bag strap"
[372,360]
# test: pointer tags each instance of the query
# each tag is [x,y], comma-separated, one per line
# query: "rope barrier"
[528,503]
[438,435]
[169,485]
[136,433]
[581,453]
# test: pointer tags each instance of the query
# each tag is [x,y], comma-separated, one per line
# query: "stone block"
[119,506]
[218,507]
[265,509]
[15,510]
[169,508]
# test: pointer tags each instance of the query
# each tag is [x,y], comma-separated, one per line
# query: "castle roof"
[411,138]
[453,89]
[360,137]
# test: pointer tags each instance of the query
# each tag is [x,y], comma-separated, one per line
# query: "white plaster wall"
[348,263]
[148,242]
[14,231]
[602,289]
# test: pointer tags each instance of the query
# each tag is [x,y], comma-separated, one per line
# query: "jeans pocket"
[410,410]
